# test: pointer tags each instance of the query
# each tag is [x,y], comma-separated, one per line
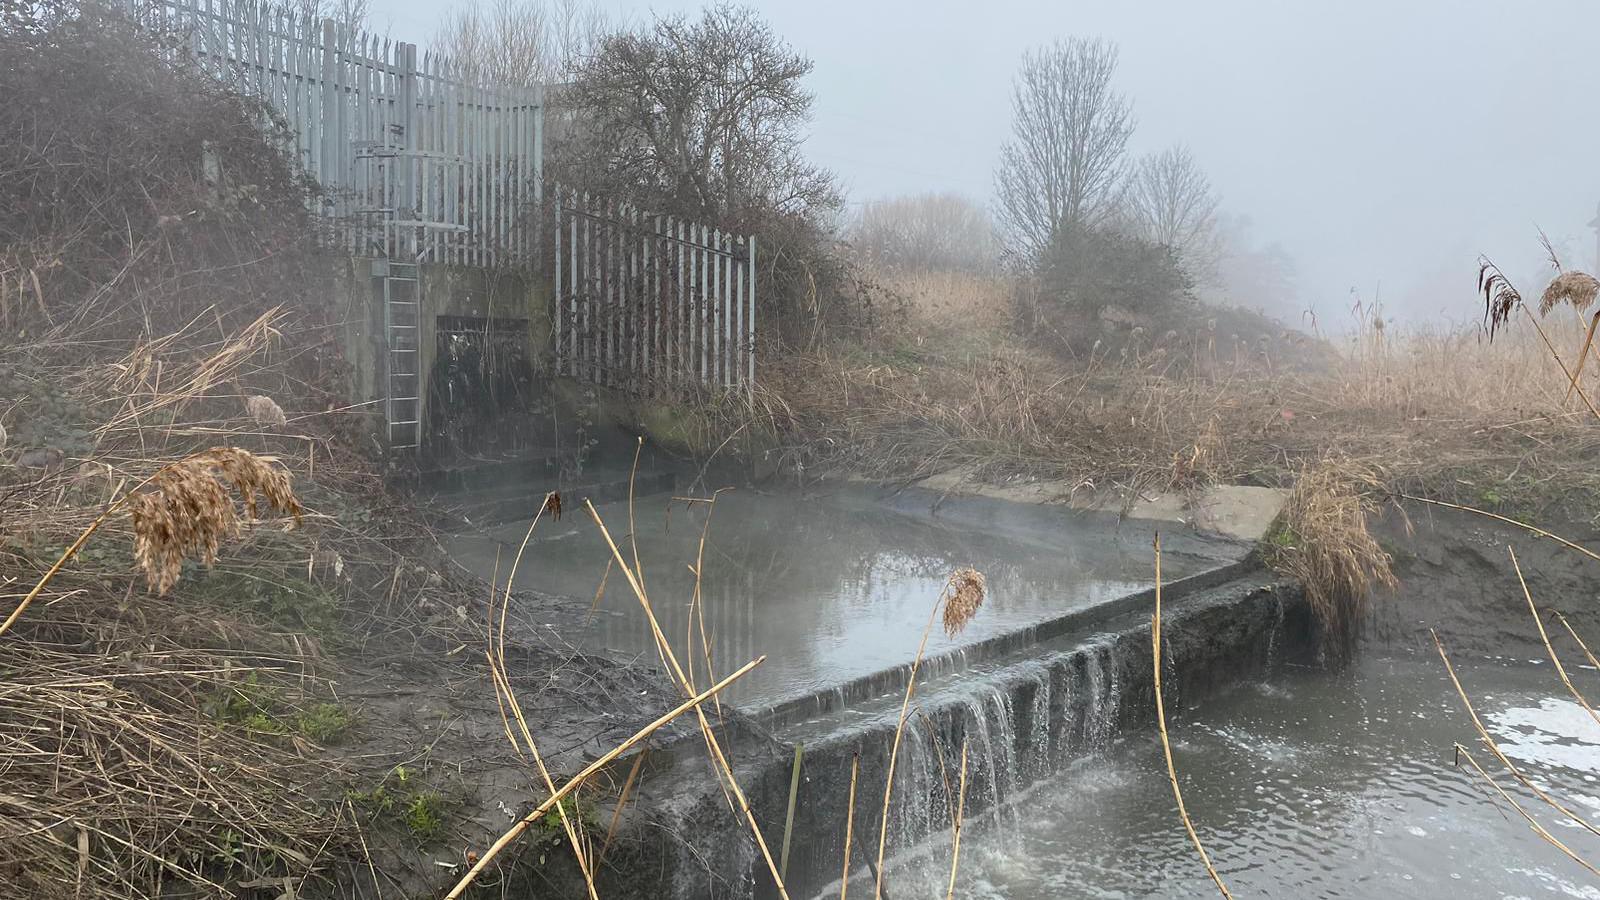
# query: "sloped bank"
[1456,577]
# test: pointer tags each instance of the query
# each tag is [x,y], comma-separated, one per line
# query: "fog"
[1382,145]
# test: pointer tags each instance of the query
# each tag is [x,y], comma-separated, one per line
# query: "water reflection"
[828,592]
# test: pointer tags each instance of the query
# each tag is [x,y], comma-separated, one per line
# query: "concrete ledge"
[1242,512]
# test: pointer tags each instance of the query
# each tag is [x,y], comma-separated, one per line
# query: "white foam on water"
[1556,884]
[1557,732]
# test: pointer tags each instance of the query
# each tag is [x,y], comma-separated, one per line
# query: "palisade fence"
[418,159]
[649,304]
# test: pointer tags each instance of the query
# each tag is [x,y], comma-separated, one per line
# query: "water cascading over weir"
[1026,703]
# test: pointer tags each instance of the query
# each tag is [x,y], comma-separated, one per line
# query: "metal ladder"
[402,335]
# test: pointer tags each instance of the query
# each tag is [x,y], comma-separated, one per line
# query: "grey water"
[829,588]
[1311,785]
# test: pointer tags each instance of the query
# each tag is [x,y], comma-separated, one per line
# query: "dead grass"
[1441,411]
[1324,544]
[119,782]
[952,303]
[113,788]
[141,312]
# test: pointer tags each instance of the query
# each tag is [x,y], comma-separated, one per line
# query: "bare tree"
[926,231]
[522,43]
[701,117]
[1169,200]
[352,16]
[1064,164]
[1254,275]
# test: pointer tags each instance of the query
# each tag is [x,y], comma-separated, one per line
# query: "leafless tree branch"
[1065,161]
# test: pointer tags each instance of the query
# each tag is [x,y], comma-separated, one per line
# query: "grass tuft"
[1322,541]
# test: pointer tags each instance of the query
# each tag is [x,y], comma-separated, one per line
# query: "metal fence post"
[330,102]
[407,201]
[750,321]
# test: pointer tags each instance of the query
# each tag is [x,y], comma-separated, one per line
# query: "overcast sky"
[1383,144]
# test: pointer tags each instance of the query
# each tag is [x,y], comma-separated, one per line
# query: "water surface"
[1315,786]
[829,588]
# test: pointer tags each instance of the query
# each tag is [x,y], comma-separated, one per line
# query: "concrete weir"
[1022,718]
[1024,703]
[835,588]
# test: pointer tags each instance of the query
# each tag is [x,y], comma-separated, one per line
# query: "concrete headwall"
[444,290]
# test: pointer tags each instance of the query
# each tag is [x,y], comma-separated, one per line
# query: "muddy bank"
[1456,577]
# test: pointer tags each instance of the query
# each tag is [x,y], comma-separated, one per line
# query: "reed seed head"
[263,410]
[1575,288]
[186,510]
[964,594]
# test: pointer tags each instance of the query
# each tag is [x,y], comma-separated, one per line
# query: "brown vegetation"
[1444,412]
[165,293]
[1324,544]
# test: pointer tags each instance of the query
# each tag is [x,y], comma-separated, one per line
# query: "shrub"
[1087,270]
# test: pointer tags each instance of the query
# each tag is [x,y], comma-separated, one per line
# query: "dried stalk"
[961,806]
[1583,356]
[503,686]
[1166,744]
[497,669]
[1593,663]
[66,555]
[1572,378]
[622,802]
[1509,521]
[1494,747]
[527,821]
[664,648]
[1561,670]
[1532,822]
[953,624]
[849,826]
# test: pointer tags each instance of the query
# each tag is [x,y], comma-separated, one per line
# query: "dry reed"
[1499,754]
[849,825]
[185,509]
[115,789]
[1533,823]
[1166,743]
[670,658]
[264,410]
[966,591]
[589,771]
[967,583]
[955,838]
[1544,637]
[1534,783]
[1531,529]
[1574,289]
[1324,544]
[496,654]
[1428,408]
